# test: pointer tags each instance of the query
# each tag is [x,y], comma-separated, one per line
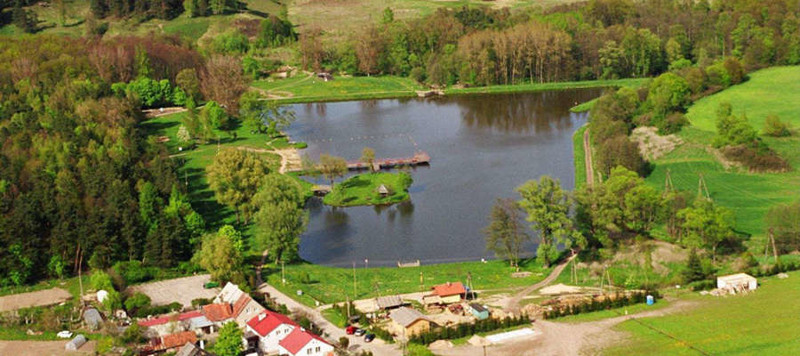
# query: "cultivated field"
[770,91]
[33,299]
[43,348]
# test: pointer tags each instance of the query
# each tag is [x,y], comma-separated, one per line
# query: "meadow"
[309,88]
[750,195]
[334,285]
[763,322]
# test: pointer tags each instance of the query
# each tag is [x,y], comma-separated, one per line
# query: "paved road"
[377,347]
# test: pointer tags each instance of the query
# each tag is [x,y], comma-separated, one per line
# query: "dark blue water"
[481,147]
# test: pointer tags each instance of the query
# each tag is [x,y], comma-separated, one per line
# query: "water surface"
[481,146]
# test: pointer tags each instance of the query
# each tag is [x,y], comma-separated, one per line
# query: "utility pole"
[702,188]
[668,187]
[355,290]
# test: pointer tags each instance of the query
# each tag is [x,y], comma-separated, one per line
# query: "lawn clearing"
[309,88]
[333,285]
[769,91]
[363,189]
[764,322]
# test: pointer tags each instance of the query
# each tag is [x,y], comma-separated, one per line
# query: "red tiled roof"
[240,304]
[178,340]
[217,312]
[448,289]
[297,339]
[153,322]
[270,321]
[190,315]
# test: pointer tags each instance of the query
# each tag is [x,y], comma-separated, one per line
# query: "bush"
[761,159]
[158,310]
[134,272]
[300,145]
[462,330]
[101,281]
[199,302]
[344,342]
[706,284]
[618,301]
[773,126]
[137,301]
[418,74]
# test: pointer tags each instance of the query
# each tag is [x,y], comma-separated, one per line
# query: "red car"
[350,330]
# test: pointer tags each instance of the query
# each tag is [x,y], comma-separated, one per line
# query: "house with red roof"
[301,342]
[244,307]
[171,342]
[449,293]
[218,313]
[266,330]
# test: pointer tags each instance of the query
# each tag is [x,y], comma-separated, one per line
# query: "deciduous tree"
[505,234]
[235,176]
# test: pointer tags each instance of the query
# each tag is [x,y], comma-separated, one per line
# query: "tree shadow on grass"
[158,127]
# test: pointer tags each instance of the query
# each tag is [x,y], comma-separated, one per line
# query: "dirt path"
[513,303]
[43,348]
[151,113]
[33,299]
[587,158]
[554,338]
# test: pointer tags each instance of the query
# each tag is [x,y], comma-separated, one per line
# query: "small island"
[370,189]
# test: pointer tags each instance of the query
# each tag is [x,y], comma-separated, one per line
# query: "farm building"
[479,311]
[389,302]
[410,320]
[450,293]
[736,283]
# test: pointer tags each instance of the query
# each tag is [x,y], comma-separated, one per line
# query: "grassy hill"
[770,91]
[760,323]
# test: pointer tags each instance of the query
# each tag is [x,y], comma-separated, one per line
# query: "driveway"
[181,290]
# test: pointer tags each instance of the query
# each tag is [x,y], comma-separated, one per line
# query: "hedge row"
[619,300]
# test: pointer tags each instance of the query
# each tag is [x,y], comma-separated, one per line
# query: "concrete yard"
[182,290]
[33,299]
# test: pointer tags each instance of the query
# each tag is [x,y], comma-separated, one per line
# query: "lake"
[482,147]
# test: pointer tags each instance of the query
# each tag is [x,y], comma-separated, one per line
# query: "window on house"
[308,351]
[317,349]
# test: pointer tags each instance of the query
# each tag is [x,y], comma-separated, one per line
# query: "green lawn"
[529,87]
[769,91]
[579,153]
[362,189]
[764,322]
[303,88]
[333,285]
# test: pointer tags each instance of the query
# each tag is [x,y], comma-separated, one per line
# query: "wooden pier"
[419,158]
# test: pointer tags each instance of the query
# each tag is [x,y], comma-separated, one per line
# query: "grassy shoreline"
[305,90]
[579,155]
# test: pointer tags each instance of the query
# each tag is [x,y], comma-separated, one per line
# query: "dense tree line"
[79,182]
[597,39]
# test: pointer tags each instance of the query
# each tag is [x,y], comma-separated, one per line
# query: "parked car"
[360,332]
[66,334]
[369,337]
[350,330]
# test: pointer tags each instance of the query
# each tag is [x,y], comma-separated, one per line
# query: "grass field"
[769,91]
[532,87]
[764,322]
[362,189]
[303,88]
[333,285]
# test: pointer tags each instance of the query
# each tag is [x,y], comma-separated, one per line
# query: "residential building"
[301,342]
[267,329]
[450,293]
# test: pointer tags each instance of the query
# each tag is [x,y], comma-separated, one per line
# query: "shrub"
[134,272]
[418,74]
[101,281]
[137,301]
[200,302]
[773,126]
[300,145]
[344,342]
[761,159]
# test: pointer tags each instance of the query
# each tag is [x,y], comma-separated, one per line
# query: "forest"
[81,185]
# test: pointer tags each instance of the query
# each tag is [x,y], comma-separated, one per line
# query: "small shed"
[389,302]
[479,311]
[410,320]
[383,191]
[92,318]
[740,282]
[76,343]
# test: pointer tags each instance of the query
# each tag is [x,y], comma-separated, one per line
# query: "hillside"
[769,91]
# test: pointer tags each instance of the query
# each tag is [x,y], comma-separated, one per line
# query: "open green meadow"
[305,88]
[750,196]
[362,189]
[764,322]
[334,285]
